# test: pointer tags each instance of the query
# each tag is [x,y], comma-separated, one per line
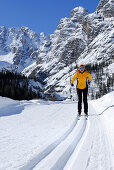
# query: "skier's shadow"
[11,110]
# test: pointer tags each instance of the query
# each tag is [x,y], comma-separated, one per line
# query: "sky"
[40,15]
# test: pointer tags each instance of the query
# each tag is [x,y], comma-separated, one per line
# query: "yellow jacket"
[81,79]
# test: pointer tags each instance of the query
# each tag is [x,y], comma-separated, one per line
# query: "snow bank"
[108,116]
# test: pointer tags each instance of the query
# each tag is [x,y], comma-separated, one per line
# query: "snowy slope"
[108,116]
[47,135]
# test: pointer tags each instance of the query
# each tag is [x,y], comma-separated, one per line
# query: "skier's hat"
[81,66]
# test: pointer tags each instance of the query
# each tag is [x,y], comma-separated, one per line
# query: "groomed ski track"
[85,146]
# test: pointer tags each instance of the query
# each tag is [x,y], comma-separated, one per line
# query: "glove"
[72,84]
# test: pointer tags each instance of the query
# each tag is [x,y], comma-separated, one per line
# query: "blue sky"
[39,15]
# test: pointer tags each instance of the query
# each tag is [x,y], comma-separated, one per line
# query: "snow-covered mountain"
[83,38]
[19,47]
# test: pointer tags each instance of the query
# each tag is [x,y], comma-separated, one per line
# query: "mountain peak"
[78,13]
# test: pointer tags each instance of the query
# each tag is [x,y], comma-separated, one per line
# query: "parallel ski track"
[34,161]
[100,147]
[84,142]
[94,149]
[62,152]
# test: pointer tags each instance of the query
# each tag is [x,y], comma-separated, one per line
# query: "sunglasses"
[81,68]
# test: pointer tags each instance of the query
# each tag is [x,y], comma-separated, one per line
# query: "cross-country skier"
[83,79]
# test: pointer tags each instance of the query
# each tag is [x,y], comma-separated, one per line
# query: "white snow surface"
[7,58]
[45,135]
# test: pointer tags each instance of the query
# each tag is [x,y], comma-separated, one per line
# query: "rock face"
[106,7]
[22,44]
[82,38]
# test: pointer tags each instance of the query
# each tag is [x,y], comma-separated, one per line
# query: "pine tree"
[15,86]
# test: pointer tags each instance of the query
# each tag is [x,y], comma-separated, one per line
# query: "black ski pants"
[84,92]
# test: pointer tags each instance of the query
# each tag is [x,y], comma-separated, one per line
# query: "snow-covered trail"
[43,135]
[93,151]
[86,148]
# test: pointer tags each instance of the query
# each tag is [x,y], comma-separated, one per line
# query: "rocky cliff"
[83,38]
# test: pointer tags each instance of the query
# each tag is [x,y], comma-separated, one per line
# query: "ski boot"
[86,116]
[79,115]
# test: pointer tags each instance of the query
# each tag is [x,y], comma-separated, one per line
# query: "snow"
[7,58]
[108,116]
[31,130]
[111,68]
[44,135]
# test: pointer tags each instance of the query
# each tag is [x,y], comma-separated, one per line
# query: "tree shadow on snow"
[11,110]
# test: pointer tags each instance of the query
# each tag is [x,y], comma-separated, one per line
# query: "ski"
[86,117]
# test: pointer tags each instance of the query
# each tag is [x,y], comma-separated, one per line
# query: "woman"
[83,79]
